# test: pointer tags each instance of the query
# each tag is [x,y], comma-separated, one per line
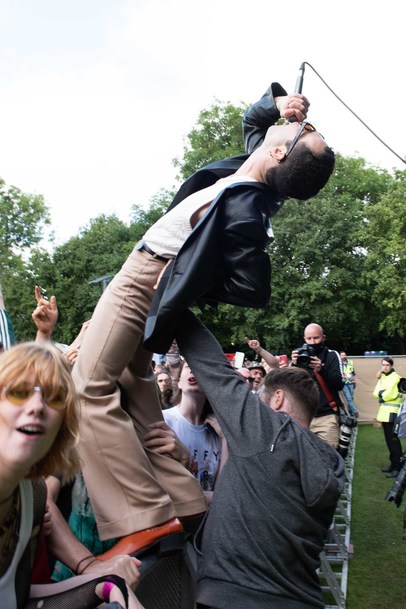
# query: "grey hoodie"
[275,498]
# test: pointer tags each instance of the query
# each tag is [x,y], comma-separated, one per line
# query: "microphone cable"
[356,115]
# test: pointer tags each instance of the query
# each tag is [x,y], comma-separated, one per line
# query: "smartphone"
[239,359]
[283,359]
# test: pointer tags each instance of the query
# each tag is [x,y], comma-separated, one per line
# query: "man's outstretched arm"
[273,105]
[239,411]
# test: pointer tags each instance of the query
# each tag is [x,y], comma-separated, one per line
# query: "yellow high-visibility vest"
[388,384]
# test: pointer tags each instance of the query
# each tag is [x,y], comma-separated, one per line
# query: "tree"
[22,219]
[217,135]
[100,249]
[318,255]
[319,258]
[142,218]
[385,234]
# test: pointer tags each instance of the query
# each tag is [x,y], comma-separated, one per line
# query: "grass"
[377,569]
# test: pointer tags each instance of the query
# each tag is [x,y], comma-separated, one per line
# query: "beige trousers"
[327,428]
[130,488]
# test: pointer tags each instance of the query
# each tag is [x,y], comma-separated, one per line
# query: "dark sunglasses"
[19,394]
[305,126]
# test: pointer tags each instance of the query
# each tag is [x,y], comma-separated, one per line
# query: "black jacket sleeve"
[260,116]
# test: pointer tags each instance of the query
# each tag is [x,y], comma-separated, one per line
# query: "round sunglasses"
[19,394]
[305,126]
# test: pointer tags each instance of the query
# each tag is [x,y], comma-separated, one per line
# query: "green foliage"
[143,218]
[100,249]
[22,220]
[385,234]
[337,259]
[217,135]
[318,260]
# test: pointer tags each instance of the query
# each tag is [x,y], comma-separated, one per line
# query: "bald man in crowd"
[324,367]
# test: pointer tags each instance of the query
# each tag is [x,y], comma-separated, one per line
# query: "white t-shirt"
[170,232]
[202,442]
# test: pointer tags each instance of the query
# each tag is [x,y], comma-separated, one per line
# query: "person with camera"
[388,395]
[324,366]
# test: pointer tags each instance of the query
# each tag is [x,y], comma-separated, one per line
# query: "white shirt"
[170,232]
[202,442]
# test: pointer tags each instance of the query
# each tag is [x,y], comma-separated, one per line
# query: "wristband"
[76,569]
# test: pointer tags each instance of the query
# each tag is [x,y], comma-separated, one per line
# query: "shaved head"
[314,334]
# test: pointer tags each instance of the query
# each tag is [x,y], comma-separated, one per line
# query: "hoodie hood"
[320,484]
[321,469]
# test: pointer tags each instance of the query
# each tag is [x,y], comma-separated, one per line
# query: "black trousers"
[393,444]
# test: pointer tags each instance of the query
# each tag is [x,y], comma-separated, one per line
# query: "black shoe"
[387,469]
[392,474]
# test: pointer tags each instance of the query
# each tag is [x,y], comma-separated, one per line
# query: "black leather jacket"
[223,260]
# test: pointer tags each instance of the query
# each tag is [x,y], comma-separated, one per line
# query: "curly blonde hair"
[45,363]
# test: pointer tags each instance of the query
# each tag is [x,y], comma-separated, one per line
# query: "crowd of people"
[247,456]
[192,432]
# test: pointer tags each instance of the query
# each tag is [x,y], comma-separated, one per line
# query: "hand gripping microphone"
[298,88]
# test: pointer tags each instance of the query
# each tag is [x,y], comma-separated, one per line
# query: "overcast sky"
[96,96]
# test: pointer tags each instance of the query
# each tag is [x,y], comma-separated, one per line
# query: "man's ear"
[278,399]
[278,152]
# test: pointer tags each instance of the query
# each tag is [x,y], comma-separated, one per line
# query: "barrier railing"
[338,547]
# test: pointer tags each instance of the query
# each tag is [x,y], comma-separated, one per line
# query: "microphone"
[298,87]
[299,81]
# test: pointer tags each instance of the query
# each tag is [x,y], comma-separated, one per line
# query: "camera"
[347,424]
[402,385]
[303,356]
[398,487]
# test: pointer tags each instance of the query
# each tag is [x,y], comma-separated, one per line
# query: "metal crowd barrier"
[338,548]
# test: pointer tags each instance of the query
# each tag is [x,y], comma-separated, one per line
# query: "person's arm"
[389,389]
[45,316]
[245,421]
[273,105]
[63,544]
[164,441]
[270,359]
[71,354]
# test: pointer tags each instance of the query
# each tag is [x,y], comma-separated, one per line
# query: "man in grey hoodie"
[277,493]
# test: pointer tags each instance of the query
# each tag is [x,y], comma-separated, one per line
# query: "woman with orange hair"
[38,437]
